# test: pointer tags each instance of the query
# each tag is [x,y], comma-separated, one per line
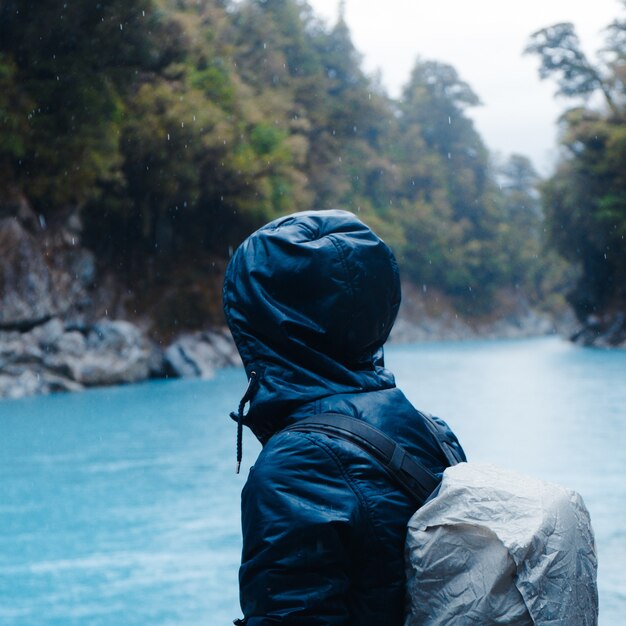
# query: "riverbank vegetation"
[170,129]
[585,199]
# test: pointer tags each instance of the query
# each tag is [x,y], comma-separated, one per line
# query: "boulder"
[197,355]
[27,383]
[115,352]
[50,358]
[190,357]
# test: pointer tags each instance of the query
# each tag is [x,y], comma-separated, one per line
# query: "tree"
[585,200]
[561,56]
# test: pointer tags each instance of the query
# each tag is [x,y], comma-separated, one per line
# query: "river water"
[120,507]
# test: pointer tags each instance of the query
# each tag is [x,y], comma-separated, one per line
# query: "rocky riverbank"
[427,315]
[58,355]
[602,331]
[56,331]
[64,325]
[64,357]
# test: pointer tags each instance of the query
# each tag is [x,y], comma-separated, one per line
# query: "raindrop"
[449,120]
[449,155]
[121,27]
[168,136]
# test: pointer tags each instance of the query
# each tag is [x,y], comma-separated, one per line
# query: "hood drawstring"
[238,417]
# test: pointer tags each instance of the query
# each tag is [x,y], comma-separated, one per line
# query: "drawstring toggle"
[238,417]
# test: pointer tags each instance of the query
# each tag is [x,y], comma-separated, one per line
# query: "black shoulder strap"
[445,443]
[418,480]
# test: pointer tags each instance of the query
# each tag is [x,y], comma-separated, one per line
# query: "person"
[310,300]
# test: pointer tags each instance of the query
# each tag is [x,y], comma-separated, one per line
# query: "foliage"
[585,200]
[178,126]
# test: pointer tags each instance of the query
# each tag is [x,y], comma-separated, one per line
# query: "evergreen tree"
[585,200]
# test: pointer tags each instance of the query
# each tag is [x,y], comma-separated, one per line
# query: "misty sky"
[483,40]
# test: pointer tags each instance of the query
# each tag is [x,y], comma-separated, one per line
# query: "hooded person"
[310,300]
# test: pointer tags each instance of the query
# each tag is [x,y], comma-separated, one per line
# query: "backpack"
[488,546]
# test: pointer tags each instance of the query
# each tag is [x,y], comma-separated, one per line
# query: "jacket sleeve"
[296,511]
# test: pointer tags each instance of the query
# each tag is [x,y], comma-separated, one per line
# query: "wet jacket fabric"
[310,300]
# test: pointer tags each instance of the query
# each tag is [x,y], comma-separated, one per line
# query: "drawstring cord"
[238,417]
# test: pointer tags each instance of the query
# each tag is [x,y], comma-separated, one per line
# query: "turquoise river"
[120,506]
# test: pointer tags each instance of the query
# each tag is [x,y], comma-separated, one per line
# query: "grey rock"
[606,331]
[26,296]
[115,352]
[71,343]
[46,335]
[421,321]
[27,383]
[111,369]
[49,358]
[53,383]
[224,346]
[190,357]
[43,273]
[197,355]
[114,335]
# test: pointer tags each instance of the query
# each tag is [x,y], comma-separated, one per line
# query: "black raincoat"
[310,299]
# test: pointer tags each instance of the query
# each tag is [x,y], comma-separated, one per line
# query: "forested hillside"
[170,129]
[585,199]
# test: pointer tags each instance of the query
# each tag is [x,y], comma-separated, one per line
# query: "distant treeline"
[176,127]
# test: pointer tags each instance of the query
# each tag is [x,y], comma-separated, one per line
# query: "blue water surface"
[120,507]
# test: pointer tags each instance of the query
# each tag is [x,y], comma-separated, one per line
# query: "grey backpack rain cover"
[496,547]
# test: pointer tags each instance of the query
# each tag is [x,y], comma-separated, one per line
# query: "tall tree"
[585,200]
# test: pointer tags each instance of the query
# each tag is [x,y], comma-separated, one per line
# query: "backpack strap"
[412,475]
[449,447]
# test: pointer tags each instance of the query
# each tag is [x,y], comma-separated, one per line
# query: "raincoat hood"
[310,300]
